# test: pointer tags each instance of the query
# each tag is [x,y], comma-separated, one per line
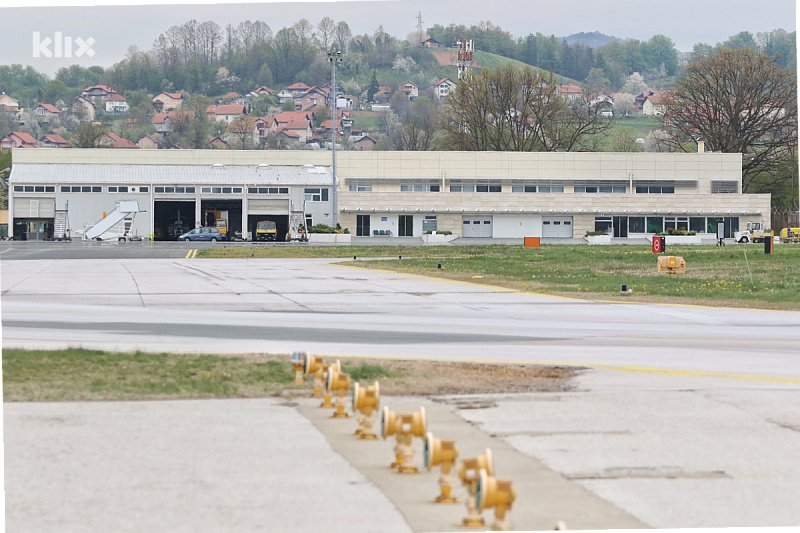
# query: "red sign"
[659,244]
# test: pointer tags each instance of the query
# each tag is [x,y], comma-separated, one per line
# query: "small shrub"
[595,233]
[445,232]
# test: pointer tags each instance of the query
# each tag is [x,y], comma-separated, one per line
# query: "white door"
[474,226]
[558,227]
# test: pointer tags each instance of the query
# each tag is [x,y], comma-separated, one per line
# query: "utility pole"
[334,56]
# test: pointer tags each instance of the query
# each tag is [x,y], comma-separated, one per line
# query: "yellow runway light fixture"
[492,492]
[469,473]
[671,265]
[405,427]
[316,366]
[338,381]
[365,401]
[328,395]
[299,363]
[441,452]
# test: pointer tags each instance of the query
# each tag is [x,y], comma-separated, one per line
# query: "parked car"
[203,234]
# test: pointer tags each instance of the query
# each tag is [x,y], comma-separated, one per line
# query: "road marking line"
[6,250]
[191,254]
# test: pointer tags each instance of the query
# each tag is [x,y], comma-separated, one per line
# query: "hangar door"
[34,207]
[558,227]
[473,226]
[268,207]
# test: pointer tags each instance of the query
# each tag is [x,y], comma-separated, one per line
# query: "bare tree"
[305,35]
[325,30]
[342,36]
[517,109]
[737,101]
[243,128]
[209,36]
[87,135]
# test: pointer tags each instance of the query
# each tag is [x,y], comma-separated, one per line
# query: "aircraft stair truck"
[297,228]
[116,225]
[266,230]
[219,220]
[754,233]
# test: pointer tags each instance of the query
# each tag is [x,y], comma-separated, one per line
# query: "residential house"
[18,139]
[411,89]
[53,140]
[289,117]
[300,128]
[570,91]
[602,103]
[97,93]
[656,104]
[165,102]
[289,135]
[263,90]
[430,42]
[244,134]
[363,142]
[148,142]
[116,103]
[46,112]
[112,140]
[83,108]
[444,87]
[218,144]
[313,97]
[226,112]
[163,122]
[9,102]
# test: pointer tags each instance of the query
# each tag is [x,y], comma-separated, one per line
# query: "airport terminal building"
[403,194]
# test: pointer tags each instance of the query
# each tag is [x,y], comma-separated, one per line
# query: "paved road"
[686,418]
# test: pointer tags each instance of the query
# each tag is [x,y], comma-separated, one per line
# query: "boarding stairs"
[116,224]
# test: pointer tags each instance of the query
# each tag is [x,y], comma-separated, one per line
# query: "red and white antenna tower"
[465,49]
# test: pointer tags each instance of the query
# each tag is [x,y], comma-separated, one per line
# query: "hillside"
[447,57]
[593,39]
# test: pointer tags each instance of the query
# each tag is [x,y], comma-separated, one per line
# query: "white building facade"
[403,194]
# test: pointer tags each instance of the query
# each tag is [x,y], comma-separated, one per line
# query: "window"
[98,189]
[227,190]
[551,188]
[488,186]
[676,223]
[63,188]
[362,225]
[237,190]
[38,188]
[205,189]
[169,189]
[315,195]
[655,189]
[522,186]
[121,189]
[159,189]
[18,188]
[636,225]
[697,224]
[462,186]
[419,186]
[429,223]
[655,224]
[76,188]
[87,188]
[602,224]
[724,187]
[360,186]
[111,188]
[216,190]
[144,189]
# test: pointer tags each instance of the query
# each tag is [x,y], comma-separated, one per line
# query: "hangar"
[403,194]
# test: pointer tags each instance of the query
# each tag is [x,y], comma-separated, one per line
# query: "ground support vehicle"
[790,235]
[755,232]
[266,230]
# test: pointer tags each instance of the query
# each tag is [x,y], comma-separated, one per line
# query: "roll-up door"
[34,207]
[558,227]
[268,207]
[473,226]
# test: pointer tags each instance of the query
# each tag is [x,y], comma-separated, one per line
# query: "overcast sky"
[115,28]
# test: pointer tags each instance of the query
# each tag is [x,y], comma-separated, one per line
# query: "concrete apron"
[543,496]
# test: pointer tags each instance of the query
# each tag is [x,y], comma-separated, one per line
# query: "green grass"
[714,275]
[78,374]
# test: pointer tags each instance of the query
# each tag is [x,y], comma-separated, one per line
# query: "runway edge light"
[441,452]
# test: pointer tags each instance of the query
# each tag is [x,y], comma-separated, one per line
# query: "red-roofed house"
[314,97]
[112,140]
[46,112]
[226,112]
[18,139]
[164,102]
[148,142]
[363,142]
[116,103]
[218,144]
[52,140]
[411,89]
[98,92]
[83,108]
[291,91]
[163,121]
[300,128]
[444,87]
[9,102]
[570,91]
[264,90]
[655,104]
[230,96]
[430,42]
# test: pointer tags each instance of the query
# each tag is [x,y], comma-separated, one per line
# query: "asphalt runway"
[685,417]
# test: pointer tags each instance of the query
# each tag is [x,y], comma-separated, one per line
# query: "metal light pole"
[334,56]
